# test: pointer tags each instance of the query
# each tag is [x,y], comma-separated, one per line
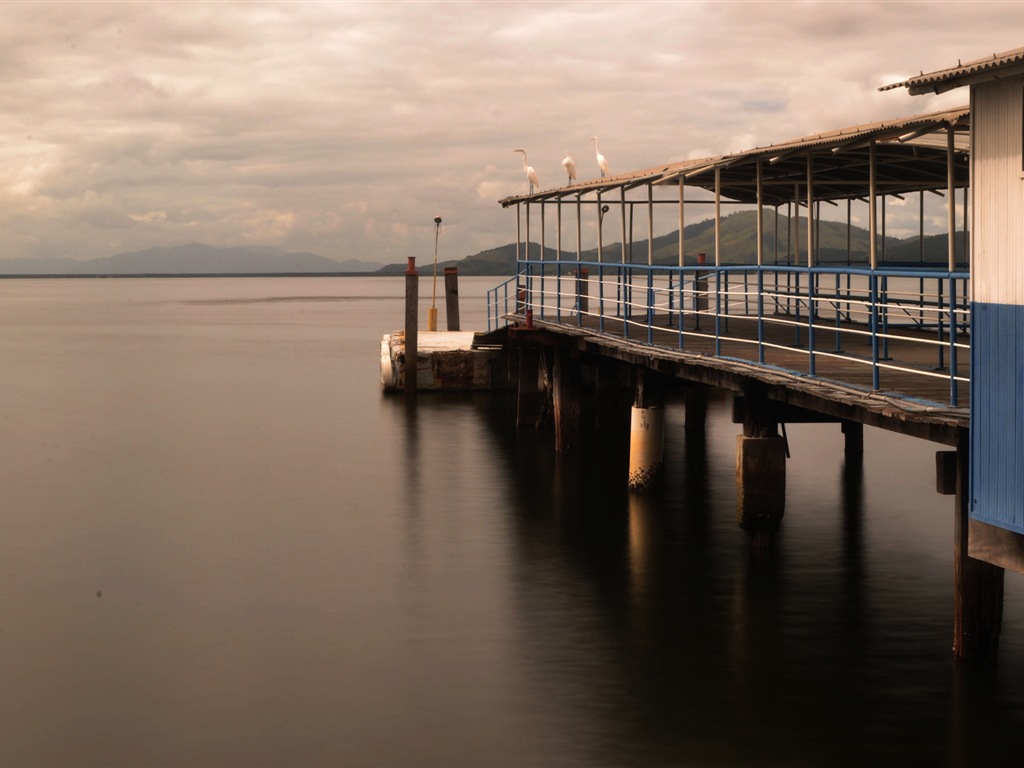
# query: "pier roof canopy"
[998,65]
[911,154]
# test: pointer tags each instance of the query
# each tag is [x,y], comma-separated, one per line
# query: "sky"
[344,128]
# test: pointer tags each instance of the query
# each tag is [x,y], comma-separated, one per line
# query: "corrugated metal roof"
[962,74]
[845,150]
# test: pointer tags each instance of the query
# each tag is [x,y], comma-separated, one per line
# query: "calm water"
[221,545]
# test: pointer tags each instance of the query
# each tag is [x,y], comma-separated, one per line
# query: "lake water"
[221,545]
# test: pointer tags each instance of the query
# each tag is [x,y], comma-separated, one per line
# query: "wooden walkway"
[913,395]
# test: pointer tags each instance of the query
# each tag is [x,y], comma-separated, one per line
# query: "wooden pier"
[795,331]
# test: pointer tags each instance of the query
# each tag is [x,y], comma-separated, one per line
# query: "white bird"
[530,173]
[602,163]
[569,163]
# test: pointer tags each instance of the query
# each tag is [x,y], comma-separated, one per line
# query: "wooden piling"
[696,411]
[451,296]
[530,398]
[853,432]
[977,585]
[412,300]
[565,389]
[760,464]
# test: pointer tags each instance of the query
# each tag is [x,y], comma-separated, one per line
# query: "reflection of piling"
[412,297]
[451,295]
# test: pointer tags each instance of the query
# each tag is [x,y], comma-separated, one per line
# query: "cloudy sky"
[343,128]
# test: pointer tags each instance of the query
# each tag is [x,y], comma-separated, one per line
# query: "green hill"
[738,240]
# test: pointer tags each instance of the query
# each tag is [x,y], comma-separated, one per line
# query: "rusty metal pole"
[412,300]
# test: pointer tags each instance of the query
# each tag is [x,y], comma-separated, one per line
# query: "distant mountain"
[191,259]
[738,240]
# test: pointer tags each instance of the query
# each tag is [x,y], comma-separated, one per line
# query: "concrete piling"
[646,432]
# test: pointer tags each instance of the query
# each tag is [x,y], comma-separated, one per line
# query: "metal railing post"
[875,379]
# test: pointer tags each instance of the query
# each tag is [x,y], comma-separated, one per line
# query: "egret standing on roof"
[569,163]
[601,162]
[531,174]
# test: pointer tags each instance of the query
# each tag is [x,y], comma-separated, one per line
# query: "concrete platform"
[446,361]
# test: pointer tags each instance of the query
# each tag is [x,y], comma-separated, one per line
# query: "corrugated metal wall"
[997,282]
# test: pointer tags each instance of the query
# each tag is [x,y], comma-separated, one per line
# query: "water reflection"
[666,637]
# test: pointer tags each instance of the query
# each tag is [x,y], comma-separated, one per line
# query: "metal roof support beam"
[794,224]
[558,233]
[760,214]
[964,249]
[849,224]
[951,200]
[650,225]
[519,234]
[622,206]
[810,210]
[543,212]
[682,224]
[718,217]
[872,211]
[920,227]
[579,229]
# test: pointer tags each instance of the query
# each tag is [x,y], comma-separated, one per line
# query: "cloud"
[344,128]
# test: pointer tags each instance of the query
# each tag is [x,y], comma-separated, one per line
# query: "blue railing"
[924,313]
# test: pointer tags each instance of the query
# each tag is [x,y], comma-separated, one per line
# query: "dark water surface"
[221,545]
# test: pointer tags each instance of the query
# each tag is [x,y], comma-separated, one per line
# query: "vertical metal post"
[558,260]
[529,270]
[682,222]
[543,256]
[873,283]
[951,199]
[760,315]
[718,216]
[952,343]
[872,212]
[810,262]
[940,324]
[718,313]
[625,278]
[760,214]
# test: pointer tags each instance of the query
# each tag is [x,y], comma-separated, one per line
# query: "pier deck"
[912,398]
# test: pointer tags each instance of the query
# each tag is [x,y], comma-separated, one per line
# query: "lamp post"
[432,312]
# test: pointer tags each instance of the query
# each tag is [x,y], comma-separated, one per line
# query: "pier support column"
[696,412]
[854,443]
[451,296]
[646,432]
[760,465]
[412,303]
[566,391]
[611,386]
[530,399]
[977,585]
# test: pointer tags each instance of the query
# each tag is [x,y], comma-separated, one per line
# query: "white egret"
[602,163]
[569,163]
[531,174]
